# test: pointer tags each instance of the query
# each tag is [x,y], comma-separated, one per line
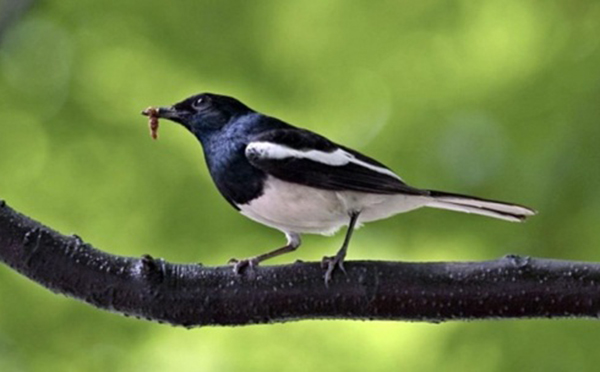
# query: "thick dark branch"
[191,295]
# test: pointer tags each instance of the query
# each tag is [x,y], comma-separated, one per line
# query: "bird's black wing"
[306,158]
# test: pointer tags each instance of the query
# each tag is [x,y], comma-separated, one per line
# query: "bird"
[299,182]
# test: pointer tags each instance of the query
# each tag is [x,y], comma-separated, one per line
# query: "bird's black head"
[203,113]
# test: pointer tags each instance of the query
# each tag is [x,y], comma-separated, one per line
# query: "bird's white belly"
[296,208]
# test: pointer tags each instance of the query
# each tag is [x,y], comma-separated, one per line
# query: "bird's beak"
[162,112]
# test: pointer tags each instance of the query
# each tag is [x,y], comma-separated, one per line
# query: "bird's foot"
[240,265]
[331,263]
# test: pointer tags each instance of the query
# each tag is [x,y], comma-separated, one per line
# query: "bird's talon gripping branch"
[341,266]
[330,264]
[240,265]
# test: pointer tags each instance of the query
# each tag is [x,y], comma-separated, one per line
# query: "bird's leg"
[293,242]
[338,259]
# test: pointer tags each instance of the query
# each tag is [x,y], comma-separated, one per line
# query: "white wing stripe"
[338,157]
[372,167]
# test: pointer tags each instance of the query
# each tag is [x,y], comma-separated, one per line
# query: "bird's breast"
[236,179]
[296,208]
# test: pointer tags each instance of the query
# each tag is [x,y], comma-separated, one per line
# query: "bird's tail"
[484,207]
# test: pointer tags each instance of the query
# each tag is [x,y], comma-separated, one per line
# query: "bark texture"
[193,295]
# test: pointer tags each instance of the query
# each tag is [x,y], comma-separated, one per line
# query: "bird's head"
[203,113]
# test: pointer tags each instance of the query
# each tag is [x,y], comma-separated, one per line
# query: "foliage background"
[497,98]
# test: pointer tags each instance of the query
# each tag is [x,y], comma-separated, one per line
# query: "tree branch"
[193,295]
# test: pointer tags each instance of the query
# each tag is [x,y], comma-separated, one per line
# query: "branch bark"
[193,295]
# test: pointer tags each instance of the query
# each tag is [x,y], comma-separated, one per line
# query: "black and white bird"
[297,181]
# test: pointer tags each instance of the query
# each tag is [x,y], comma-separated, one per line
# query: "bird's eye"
[200,103]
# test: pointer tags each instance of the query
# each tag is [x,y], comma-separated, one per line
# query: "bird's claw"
[331,263]
[240,265]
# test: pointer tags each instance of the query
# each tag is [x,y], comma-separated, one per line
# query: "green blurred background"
[497,98]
